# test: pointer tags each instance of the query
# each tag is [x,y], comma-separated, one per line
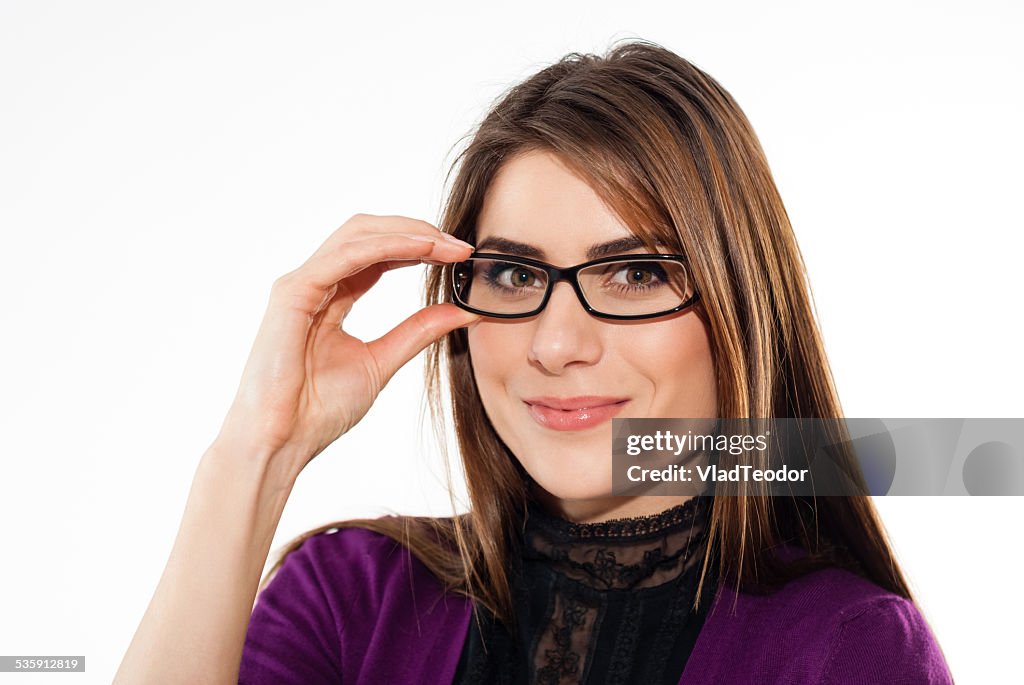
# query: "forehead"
[537,200]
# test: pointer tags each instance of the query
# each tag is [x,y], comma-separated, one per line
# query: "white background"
[162,163]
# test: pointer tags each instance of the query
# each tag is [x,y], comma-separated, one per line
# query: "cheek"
[677,359]
[495,351]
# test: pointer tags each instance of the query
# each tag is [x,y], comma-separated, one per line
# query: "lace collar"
[620,554]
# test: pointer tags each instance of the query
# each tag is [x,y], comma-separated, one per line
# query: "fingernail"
[413,236]
[452,239]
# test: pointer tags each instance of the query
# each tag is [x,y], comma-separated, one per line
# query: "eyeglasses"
[619,287]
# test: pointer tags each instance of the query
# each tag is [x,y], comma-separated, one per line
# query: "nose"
[565,334]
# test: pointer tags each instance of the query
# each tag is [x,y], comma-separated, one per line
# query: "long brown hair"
[670,151]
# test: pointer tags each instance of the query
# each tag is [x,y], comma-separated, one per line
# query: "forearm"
[194,628]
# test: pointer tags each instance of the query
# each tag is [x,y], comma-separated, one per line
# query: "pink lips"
[573,413]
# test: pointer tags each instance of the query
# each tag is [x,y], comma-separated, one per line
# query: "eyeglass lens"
[626,287]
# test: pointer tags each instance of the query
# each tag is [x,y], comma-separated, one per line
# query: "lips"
[574,413]
[581,402]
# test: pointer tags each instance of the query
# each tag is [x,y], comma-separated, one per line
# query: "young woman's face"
[652,368]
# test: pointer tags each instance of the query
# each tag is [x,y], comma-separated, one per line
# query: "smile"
[575,413]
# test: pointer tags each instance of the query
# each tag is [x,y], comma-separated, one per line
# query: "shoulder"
[358,550]
[885,639]
[829,626]
[357,565]
[340,604]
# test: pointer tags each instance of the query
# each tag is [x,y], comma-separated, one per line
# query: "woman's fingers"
[310,287]
[396,347]
[324,270]
[365,240]
[299,338]
[364,225]
[341,300]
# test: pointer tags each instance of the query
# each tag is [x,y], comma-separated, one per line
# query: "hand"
[307,381]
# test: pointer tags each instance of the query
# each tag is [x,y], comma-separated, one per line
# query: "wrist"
[271,467]
[241,489]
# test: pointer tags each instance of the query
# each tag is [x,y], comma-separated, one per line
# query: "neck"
[607,508]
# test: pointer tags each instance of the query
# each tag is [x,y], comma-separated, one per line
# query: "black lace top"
[607,602]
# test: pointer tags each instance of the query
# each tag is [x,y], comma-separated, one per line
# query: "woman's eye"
[519,277]
[637,275]
[513,276]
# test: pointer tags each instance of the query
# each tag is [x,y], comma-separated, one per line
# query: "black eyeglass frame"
[556,274]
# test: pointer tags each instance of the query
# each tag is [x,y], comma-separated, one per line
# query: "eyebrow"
[596,251]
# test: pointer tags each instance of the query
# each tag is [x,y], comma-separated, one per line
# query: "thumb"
[403,342]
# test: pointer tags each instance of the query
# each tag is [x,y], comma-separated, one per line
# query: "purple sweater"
[354,606]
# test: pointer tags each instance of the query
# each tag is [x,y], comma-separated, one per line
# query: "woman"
[599,163]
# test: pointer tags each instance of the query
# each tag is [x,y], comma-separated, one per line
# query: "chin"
[580,483]
[574,492]
[570,465]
